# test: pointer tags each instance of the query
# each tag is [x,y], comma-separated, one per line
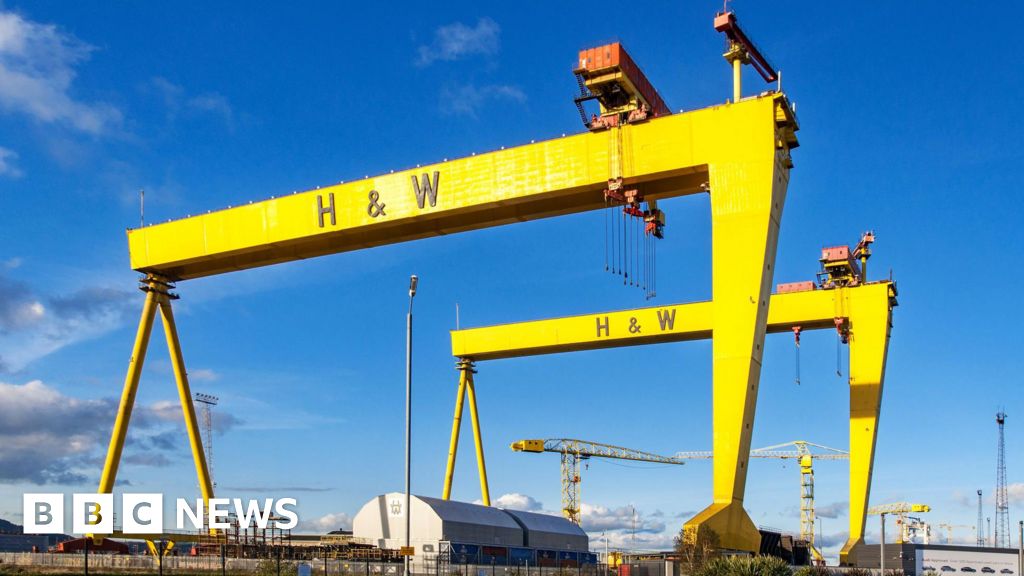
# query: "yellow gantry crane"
[738,153]
[843,300]
[802,451]
[572,451]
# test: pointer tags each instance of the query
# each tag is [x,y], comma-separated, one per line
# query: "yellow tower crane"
[948,529]
[572,451]
[802,452]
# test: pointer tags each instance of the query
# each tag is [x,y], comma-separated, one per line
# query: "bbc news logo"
[144,513]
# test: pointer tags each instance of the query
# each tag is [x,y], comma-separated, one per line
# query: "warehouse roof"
[464,512]
[535,522]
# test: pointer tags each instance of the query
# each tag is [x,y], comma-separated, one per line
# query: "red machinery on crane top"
[726,22]
[609,75]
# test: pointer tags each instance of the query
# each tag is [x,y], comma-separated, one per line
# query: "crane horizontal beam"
[586,448]
[898,508]
[664,157]
[810,310]
[796,455]
[785,455]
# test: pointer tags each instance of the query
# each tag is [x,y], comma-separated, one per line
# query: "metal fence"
[438,567]
[430,566]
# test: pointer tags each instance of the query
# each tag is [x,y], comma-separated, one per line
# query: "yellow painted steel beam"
[188,410]
[811,310]
[869,348]
[478,441]
[131,387]
[453,446]
[667,156]
[866,310]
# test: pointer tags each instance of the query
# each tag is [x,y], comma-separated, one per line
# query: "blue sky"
[910,127]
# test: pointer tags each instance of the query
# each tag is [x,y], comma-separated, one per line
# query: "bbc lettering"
[144,513]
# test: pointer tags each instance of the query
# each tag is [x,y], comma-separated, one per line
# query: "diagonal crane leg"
[131,387]
[869,345]
[158,296]
[747,197]
[188,410]
[466,388]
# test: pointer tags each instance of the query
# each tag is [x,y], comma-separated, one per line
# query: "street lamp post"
[881,546]
[1020,546]
[413,281]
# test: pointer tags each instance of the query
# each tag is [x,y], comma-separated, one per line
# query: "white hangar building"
[471,533]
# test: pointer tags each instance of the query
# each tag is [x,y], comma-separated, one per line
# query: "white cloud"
[467,99]
[616,524]
[7,167]
[33,325]
[37,69]
[176,100]
[204,374]
[11,263]
[595,518]
[212,102]
[49,437]
[454,41]
[517,501]
[832,510]
[326,523]
[1015,492]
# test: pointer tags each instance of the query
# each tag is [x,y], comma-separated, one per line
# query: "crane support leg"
[158,296]
[869,344]
[131,386]
[485,493]
[453,446]
[746,207]
[195,440]
[466,388]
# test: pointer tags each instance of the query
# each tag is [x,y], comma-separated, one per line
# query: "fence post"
[87,540]
[223,560]
[279,561]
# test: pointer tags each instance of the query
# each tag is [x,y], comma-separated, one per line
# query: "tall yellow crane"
[572,451]
[802,451]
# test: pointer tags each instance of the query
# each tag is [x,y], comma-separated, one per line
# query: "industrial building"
[464,533]
[942,559]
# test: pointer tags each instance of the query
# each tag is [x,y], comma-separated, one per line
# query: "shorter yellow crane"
[802,452]
[572,451]
[948,529]
[900,509]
